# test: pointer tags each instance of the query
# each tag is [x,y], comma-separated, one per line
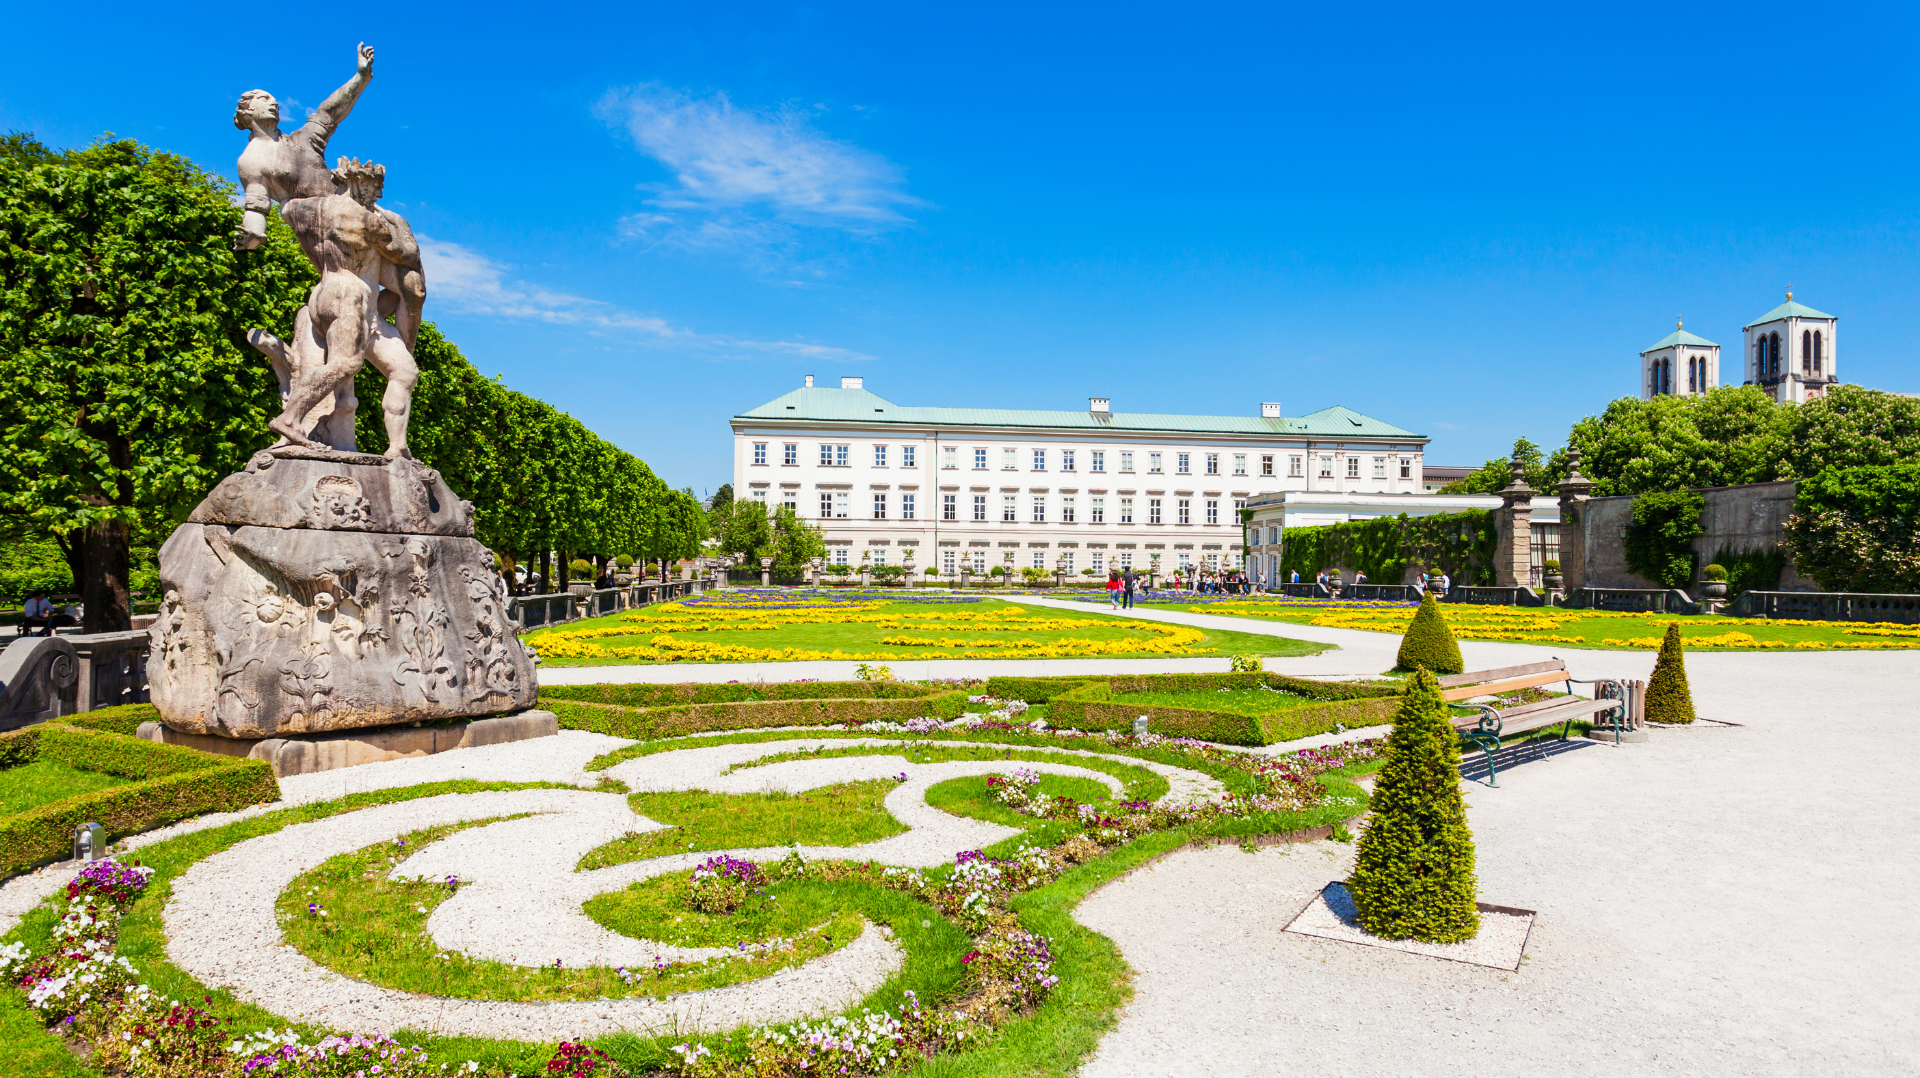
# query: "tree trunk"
[104,589]
[562,558]
[546,571]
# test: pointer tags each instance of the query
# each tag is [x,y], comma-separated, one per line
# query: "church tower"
[1790,352]
[1682,363]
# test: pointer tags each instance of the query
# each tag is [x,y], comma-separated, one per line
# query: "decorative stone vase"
[576,587]
[621,580]
[1714,589]
[325,590]
[1555,581]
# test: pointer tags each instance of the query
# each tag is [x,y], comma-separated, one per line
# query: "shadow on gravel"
[1474,766]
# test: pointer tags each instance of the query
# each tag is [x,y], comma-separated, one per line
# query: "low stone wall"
[1740,519]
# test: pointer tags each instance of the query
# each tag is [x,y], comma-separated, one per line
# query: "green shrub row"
[736,692]
[119,719]
[643,724]
[172,783]
[1040,690]
[1102,705]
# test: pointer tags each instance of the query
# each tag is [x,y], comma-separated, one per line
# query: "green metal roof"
[824,404]
[1786,310]
[1680,336]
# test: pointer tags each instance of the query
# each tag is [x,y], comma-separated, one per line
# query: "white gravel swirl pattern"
[221,927]
[521,900]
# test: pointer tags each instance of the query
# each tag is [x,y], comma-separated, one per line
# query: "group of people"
[42,617]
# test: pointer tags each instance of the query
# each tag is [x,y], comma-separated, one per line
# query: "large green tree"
[127,388]
[1858,529]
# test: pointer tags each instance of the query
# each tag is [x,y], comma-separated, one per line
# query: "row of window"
[1766,354]
[834,505]
[839,455]
[951,560]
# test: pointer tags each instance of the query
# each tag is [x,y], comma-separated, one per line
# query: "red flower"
[971,955]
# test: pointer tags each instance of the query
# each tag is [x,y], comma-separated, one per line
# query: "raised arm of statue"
[340,102]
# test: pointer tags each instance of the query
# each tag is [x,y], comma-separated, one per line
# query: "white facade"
[1681,364]
[1790,352]
[1091,490]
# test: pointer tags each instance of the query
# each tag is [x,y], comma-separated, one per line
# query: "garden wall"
[1745,519]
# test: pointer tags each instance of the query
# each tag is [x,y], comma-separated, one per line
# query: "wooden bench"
[1485,730]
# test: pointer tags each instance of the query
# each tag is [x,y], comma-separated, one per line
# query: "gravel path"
[1717,901]
[221,927]
[522,899]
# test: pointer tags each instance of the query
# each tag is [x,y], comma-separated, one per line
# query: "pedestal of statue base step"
[305,754]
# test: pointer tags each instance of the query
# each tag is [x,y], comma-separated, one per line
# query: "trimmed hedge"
[119,719]
[1428,644]
[643,724]
[643,695]
[1101,705]
[171,783]
[1413,874]
[1668,697]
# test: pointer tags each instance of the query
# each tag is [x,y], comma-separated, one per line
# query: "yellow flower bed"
[663,622]
[1538,625]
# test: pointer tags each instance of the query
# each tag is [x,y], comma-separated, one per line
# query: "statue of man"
[360,248]
[292,170]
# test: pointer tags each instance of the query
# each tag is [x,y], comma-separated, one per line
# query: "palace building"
[1789,352]
[1093,489]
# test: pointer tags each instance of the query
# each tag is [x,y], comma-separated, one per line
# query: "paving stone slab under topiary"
[1502,939]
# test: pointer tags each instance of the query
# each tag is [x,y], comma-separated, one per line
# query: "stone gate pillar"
[1513,561]
[1574,491]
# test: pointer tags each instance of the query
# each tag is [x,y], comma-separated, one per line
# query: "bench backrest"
[1505,679]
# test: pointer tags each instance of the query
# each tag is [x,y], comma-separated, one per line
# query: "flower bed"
[1591,628]
[666,630]
[1004,972]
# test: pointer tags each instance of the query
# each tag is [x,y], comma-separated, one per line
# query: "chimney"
[1097,405]
[809,381]
[849,382]
[1270,410]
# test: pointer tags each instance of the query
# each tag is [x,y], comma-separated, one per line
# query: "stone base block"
[306,754]
[1627,737]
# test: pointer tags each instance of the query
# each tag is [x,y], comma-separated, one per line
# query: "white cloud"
[470,282]
[744,176]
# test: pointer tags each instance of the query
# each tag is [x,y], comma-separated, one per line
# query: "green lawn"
[859,639]
[1238,701]
[42,782]
[843,815]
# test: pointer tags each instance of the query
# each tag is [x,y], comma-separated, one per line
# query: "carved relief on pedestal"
[336,502]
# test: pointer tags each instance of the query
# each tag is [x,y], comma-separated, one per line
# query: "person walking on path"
[1446,584]
[1113,589]
[1126,597]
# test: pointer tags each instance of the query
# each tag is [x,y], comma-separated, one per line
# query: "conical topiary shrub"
[1429,644]
[1413,875]
[1668,698]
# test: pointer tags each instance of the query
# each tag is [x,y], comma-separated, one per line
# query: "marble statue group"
[321,588]
[369,269]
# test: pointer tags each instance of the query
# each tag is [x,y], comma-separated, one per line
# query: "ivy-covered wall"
[1386,548]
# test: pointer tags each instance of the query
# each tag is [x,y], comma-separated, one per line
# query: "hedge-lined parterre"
[169,783]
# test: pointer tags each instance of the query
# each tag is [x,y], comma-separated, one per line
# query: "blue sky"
[1464,221]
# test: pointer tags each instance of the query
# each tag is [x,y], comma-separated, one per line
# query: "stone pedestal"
[308,753]
[320,591]
[1575,491]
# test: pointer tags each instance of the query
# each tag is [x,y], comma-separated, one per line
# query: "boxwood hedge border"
[1098,703]
[170,783]
[648,712]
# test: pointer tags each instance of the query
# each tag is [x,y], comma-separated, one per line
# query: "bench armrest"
[1606,688]
[1489,722]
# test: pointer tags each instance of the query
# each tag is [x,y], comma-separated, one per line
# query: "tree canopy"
[127,388]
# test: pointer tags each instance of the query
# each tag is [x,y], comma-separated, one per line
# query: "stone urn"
[1713,589]
[579,587]
[622,579]
[1555,581]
